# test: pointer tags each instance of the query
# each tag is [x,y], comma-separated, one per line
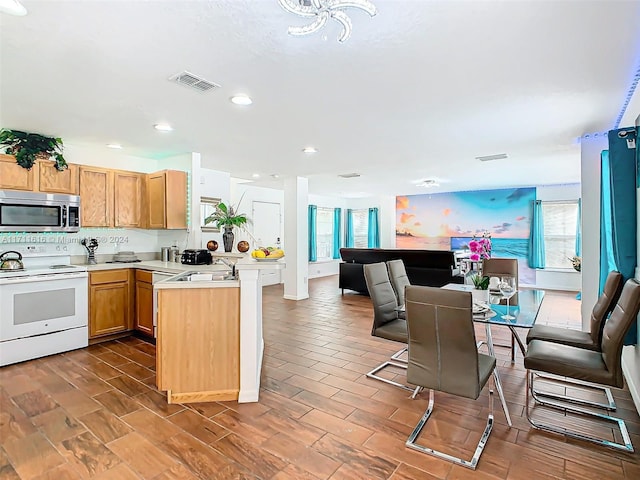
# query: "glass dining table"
[523,307]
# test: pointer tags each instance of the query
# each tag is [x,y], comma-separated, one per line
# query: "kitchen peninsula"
[209,330]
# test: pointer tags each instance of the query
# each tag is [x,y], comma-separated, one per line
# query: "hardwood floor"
[95,413]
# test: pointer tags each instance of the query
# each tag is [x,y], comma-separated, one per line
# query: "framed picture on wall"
[208,206]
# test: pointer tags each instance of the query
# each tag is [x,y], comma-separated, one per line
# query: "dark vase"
[227,239]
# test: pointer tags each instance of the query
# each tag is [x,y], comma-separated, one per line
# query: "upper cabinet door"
[176,198]
[53,181]
[127,199]
[14,177]
[96,201]
[156,200]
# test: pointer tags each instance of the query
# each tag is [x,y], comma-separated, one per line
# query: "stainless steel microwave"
[38,212]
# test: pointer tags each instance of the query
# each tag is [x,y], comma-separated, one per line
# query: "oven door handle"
[42,278]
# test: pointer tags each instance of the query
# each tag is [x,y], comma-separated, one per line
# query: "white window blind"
[360,227]
[324,233]
[559,233]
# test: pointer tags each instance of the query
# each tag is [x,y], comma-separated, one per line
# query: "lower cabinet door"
[109,308]
[144,307]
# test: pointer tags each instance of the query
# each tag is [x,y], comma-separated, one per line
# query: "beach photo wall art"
[448,221]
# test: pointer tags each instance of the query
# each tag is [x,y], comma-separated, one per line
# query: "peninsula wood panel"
[96,196]
[198,342]
[127,199]
[13,176]
[51,180]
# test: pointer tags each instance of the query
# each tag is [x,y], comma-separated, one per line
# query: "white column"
[296,238]
[590,172]
[251,342]
[195,234]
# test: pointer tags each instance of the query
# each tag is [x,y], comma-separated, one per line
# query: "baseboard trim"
[294,297]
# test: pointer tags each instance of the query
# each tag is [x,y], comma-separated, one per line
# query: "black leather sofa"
[433,268]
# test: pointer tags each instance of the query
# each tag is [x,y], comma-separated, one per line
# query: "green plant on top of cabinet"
[13,176]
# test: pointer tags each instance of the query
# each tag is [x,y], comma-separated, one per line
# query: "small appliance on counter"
[196,257]
[125,257]
[91,245]
[164,254]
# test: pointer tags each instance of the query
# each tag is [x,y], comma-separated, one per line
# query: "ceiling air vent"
[489,158]
[193,81]
[349,175]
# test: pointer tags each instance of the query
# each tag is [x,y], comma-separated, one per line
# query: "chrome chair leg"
[610,405]
[627,446]
[397,356]
[416,392]
[472,464]
[388,363]
[503,401]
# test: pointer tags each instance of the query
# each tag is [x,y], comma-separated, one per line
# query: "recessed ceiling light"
[310,150]
[12,7]
[275,175]
[256,175]
[114,145]
[163,127]
[241,99]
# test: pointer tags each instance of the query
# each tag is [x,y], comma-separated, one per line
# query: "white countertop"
[245,263]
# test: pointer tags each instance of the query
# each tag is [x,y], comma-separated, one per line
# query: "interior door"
[267,223]
[267,230]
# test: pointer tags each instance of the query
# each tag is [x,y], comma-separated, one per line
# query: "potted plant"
[28,146]
[227,218]
[480,293]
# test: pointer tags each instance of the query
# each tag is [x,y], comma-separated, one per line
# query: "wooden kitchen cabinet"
[127,199]
[110,298]
[96,197]
[144,302]
[51,180]
[14,177]
[166,200]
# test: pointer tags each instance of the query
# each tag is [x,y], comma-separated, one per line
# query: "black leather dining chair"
[598,367]
[443,357]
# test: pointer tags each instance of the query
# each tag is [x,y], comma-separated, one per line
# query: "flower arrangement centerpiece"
[480,249]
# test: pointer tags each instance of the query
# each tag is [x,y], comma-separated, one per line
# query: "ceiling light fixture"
[428,183]
[489,158]
[275,175]
[310,150]
[241,99]
[322,10]
[114,145]
[163,127]
[12,7]
[256,175]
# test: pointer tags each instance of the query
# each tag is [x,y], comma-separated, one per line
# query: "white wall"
[109,158]
[243,195]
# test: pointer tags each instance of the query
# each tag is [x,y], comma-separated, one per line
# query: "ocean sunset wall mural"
[445,221]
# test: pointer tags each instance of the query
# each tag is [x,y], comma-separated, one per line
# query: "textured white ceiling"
[417,92]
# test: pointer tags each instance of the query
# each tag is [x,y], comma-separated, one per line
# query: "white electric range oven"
[43,308]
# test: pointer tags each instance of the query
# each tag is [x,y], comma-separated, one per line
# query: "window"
[360,228]
[560,220]
[324,233]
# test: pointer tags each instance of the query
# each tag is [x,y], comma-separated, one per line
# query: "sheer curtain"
[373,232]
[618,217]
[337,223]
[579,230]
[536,237]
[313,241]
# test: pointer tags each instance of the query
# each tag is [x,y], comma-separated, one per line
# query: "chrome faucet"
[228,263]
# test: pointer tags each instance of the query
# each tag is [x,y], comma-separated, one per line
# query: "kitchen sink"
[204,276]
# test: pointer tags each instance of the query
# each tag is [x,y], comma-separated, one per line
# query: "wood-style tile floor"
[95,413]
